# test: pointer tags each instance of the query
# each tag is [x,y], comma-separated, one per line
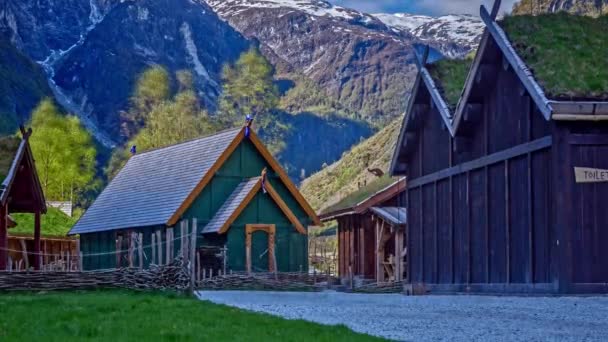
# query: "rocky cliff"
[579,7]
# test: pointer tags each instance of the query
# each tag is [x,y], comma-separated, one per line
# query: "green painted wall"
[290,246]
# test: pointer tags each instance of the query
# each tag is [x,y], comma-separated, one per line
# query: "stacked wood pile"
[265,281]
[175,276]
[393,287]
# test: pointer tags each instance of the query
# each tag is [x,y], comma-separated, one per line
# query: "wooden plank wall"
[586,233]
[479,205]
[356,246]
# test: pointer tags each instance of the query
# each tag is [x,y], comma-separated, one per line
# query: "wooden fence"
[57,254]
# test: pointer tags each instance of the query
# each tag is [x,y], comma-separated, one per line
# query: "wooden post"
[169,238]
[182,240]
[3,237]
[80,268]
[37,240]
[225,257]
[159,242]
[118,251]
[192,252]
[153,245]
[131,248]
[140,251]
[24,253]
[198,266]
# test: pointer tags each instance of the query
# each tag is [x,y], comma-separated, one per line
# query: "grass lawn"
[53,223]
[133,316]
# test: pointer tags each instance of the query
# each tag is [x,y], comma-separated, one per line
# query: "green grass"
[335,182]
[568,54]
[53,223]
[130,316]
[450,76]
[361,194]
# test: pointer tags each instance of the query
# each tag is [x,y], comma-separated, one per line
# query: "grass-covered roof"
[362,194]
[568,54]
[8,149]
[449,76]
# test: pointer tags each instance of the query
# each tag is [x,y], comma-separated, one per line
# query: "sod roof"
[567,54]
[8,149]
[363,193]
[450,76]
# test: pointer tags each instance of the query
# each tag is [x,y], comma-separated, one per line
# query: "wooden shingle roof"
[157,187]
[153,185]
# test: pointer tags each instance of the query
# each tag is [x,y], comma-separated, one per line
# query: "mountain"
[22,85]
[453,35]
[93,50]
[353,56]
[350,174]
[580,7]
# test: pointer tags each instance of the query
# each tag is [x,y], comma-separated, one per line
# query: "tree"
[152,88]
[248,88]
[170,121]
[64,152]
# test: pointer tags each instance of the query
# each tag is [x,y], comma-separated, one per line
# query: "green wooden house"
[227,184]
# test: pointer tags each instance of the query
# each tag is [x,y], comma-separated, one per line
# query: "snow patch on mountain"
[317,8]
[403,21]
[453,35]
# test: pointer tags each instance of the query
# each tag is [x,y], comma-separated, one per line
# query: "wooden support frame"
[271,230]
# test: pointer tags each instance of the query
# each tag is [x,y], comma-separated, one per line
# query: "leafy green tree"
[152,88]
[248,88]
[64,151]
[173,120]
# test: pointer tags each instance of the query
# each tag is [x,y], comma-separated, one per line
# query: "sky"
[427,7]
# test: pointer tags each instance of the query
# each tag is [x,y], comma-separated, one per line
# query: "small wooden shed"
[371,236]
[20,192]
[239,195]
[508,185]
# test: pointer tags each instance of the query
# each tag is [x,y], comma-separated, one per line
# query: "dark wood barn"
[507,186]
[227,186]
[371,237]
[20,192]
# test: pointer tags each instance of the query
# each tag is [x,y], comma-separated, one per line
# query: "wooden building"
[504,192]
[220,182]
[371,237]
[20,192]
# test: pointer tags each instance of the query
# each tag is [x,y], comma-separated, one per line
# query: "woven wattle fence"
[265,281]
[174,276]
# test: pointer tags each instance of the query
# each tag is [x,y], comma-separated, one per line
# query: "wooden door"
[259,244]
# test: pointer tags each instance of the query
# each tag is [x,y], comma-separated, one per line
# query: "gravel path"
[436,318]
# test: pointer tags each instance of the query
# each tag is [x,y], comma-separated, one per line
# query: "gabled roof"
[157,187]
[374,200]
[551,109]
[243,193]
[239,200]
[14,153]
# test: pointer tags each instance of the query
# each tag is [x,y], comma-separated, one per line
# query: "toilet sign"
[589,175]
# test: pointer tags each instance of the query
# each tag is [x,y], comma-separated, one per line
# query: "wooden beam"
[488,160]
[37,240]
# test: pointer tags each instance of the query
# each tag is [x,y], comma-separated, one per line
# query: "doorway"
[259,245]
